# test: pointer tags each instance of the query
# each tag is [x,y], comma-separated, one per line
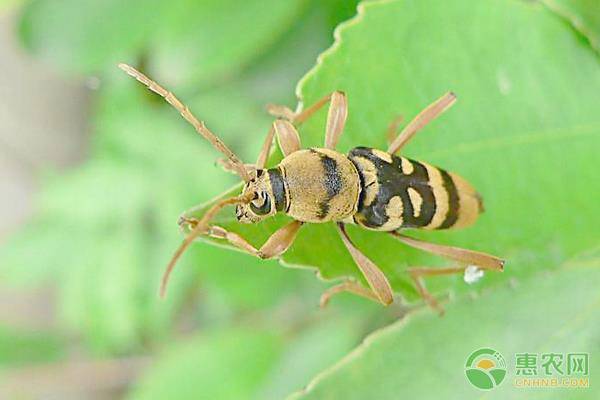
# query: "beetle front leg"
[230,167]
[287,136]
[336,116]
[279,111]
[276,244]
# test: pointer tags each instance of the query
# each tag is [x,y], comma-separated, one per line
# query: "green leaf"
[524,132]
[310,351]
[197,42]
[223,364]
[85,36]
[584,15]
[8,4]
[18,347]
[210,40]
[424,354]
[239,362]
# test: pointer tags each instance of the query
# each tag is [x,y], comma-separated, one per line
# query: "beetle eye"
[262,205]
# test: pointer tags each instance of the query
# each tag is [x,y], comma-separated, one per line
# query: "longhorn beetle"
[374,189]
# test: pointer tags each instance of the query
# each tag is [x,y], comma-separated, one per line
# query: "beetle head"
[262,204]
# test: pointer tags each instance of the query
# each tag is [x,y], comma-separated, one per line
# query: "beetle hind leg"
[463,256]
[418,273]
[392,129]
[430,113]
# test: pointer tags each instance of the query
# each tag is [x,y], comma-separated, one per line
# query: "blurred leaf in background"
[243,362]
[198,51]
[89,36]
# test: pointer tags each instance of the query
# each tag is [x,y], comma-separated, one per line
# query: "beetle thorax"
[321,185]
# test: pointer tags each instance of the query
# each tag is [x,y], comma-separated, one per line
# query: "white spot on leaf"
[472,274]
[504,83]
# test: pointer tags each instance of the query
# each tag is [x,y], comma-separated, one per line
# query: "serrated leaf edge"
[337,41]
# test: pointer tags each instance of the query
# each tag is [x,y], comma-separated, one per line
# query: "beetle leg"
[393,129]
[279,111]
[228,166]
[376,279]
[336,119]
[347,286]
[308,112]
[198,228]
[417,274]
[261,161]
[430,113]
[469,257]
[275,245]
[284,112]
[287,136]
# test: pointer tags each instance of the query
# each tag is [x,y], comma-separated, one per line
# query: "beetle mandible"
[371,188]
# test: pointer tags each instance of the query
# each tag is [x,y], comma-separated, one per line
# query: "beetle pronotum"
[374,189]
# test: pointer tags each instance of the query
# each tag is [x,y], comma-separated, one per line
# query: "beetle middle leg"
[380,289]
[347,286]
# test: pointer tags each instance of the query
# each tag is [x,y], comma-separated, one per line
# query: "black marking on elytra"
[393,182]
[453,201]
[278,188]
[333,182]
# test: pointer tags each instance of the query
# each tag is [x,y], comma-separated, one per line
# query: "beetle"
[374,189]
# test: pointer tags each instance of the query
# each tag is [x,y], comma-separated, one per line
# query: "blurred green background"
[95,171]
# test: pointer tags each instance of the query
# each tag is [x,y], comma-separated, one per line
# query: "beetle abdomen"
[401,193]
[321,185]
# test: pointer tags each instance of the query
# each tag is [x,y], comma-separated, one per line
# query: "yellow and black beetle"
[368,187]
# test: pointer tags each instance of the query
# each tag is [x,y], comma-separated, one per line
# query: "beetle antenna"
[198,230]
[185,112]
